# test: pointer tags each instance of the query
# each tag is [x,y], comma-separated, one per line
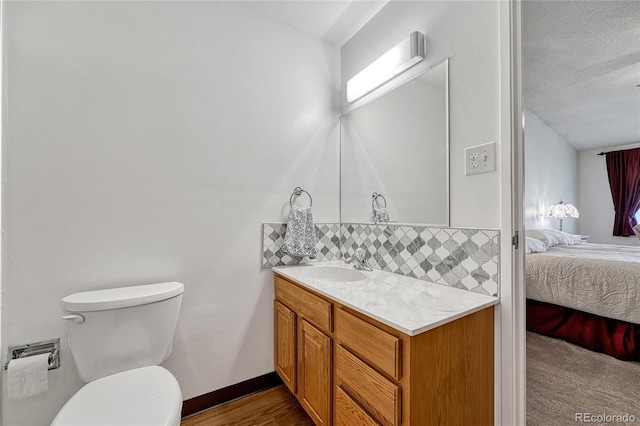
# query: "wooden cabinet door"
[285,345]
[314,373]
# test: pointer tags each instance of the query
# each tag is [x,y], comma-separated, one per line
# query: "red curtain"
[623,168]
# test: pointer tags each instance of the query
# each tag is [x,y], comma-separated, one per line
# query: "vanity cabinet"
[350,369]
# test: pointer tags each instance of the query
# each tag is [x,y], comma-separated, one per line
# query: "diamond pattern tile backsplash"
[463,258]
[327,237]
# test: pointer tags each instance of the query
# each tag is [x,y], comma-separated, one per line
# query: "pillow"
[551,237]
[636,229]
[534,246]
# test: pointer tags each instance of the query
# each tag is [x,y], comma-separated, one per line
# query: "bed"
[587,294]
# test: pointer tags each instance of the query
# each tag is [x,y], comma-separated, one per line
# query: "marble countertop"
[407,304]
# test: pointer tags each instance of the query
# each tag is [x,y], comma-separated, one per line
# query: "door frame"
[511,317]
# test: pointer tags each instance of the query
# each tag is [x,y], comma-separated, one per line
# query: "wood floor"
[272,407]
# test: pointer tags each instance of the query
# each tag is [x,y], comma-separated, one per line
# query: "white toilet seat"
[148,396]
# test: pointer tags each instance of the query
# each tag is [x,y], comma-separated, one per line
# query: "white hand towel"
[300,236]
[27,376]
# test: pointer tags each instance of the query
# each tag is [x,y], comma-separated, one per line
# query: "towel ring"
[297,191]
[374,197]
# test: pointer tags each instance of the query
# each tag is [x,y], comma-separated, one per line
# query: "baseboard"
[220,396]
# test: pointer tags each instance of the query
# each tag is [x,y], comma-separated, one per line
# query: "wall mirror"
[397,145]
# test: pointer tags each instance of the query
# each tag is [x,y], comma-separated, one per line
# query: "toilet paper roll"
[27,376]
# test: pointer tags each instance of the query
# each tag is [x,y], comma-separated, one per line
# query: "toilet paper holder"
[52,347]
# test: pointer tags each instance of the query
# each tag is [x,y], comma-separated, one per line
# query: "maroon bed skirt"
[619,339]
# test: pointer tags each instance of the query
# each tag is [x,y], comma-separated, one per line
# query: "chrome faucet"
[360,258]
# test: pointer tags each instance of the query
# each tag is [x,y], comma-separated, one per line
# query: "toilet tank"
[123,328]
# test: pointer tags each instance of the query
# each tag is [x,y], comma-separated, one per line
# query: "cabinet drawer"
[314,309]
[348,413]
[377,347]
[377,395]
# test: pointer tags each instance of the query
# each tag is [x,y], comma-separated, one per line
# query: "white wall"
[147,142]
[554,171]
[551,175]
[468,33]
[597,213]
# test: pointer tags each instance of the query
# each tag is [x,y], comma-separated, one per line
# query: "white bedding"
[596,278]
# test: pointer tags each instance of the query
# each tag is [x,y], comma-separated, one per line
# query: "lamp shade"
[562,210]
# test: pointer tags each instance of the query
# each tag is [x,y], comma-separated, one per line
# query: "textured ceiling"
[581,69]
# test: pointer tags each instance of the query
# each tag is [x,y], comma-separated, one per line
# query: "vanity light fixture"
[397,60]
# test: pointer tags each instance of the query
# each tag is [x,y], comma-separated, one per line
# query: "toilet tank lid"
[123,297]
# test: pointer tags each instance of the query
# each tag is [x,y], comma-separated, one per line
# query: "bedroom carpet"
[564,379]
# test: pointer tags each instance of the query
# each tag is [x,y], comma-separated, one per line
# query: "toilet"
[118,338]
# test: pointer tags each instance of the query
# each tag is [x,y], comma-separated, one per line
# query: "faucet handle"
[360,254]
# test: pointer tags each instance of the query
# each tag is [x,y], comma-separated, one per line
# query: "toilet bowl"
[147,396]
[118,338]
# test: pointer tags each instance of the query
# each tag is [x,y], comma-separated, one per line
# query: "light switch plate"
[480,159]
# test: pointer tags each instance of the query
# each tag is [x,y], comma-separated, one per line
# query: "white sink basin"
[334,273]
